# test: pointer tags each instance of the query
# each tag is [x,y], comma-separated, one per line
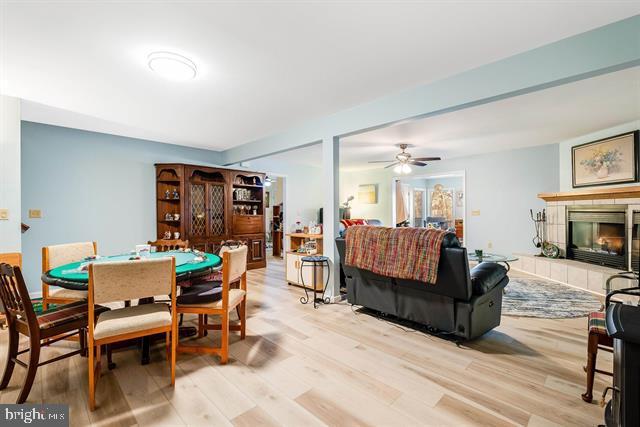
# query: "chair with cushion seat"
[127,281]
[211,289]
[234,268]
[57,255]
[598,340]
[44,329]
[165,245]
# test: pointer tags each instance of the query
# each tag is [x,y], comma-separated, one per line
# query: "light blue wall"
[566,179]
[90,186]
[503,186]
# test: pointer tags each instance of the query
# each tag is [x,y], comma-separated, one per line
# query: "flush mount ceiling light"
[172,66]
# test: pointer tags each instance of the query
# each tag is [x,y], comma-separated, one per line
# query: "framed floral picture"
[608,161]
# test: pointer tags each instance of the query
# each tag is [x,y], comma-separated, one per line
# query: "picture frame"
[608,161]
[368,194]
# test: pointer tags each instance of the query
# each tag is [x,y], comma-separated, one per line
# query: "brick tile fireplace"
[598,233]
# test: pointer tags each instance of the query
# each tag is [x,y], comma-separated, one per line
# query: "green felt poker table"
[75,275]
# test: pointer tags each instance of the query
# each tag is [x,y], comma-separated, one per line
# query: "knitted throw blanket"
[404,253]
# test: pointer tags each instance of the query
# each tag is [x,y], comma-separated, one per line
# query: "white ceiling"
[545,117]
[263,66]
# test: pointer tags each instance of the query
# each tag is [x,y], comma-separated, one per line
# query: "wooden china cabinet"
[207,205]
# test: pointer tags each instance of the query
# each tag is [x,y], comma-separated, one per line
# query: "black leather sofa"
[466,303]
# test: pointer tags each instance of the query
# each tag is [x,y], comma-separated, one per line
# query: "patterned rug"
[526,297]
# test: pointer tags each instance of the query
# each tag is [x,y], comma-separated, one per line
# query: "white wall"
[502,186]
[303,188]
[566,181]
[349,182]
[10,238]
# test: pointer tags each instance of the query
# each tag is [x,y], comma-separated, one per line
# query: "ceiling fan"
[404,159]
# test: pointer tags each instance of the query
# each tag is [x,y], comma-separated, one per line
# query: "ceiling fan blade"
[426,159]
[415,163]
[391,165]
[381,161]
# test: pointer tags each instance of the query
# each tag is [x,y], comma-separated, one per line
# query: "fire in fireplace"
[597,234]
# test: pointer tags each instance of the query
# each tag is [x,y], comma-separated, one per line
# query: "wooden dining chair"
[43,329]
[234,268]
[127,281]
[165,245]
[56,255]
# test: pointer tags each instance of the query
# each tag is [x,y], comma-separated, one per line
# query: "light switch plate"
[475,213]
[35,213]
[4,214]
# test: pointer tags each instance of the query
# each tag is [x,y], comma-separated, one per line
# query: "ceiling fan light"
[406,169]
[398,169]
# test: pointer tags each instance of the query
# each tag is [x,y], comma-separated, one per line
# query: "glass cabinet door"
[198,224]
[216,209]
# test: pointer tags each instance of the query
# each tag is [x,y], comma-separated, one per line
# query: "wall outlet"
[489,245]
[35,213]
[4,214]
[475,213]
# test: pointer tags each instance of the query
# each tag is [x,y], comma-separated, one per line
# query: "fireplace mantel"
[594,194]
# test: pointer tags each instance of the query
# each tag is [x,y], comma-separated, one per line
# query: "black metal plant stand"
[313,262]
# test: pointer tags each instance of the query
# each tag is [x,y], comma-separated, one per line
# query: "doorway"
[274,215]
[431,201]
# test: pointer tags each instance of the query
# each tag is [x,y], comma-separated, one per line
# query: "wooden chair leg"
[34,358]
[200,325]
[168,346]
[82,338]
[174,346]
[98,363]
[224,339]
[592,354]
[12,351]
[110,364]
[92,378]
[205,318]
[243,318]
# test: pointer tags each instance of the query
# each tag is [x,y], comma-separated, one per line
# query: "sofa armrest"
[485,276]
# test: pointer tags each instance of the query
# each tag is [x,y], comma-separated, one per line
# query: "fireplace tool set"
[547,249]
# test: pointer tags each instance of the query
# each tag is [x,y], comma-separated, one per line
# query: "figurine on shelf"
[176,217]
[255,210]
[168,216]
[176,195]
[255,180]
[176,235]
[167,194]
[167,235]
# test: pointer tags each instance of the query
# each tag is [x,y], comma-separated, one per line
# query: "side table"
[314,262]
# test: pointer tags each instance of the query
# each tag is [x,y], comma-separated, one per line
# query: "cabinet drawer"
[248,224]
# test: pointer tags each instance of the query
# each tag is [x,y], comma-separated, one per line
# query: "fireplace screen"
[598,237]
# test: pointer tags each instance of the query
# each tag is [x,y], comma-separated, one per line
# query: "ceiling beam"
[606,49]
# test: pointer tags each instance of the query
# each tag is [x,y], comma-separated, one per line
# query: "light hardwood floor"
[336,366]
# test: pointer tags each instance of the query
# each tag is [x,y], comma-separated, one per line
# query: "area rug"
[526,297]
